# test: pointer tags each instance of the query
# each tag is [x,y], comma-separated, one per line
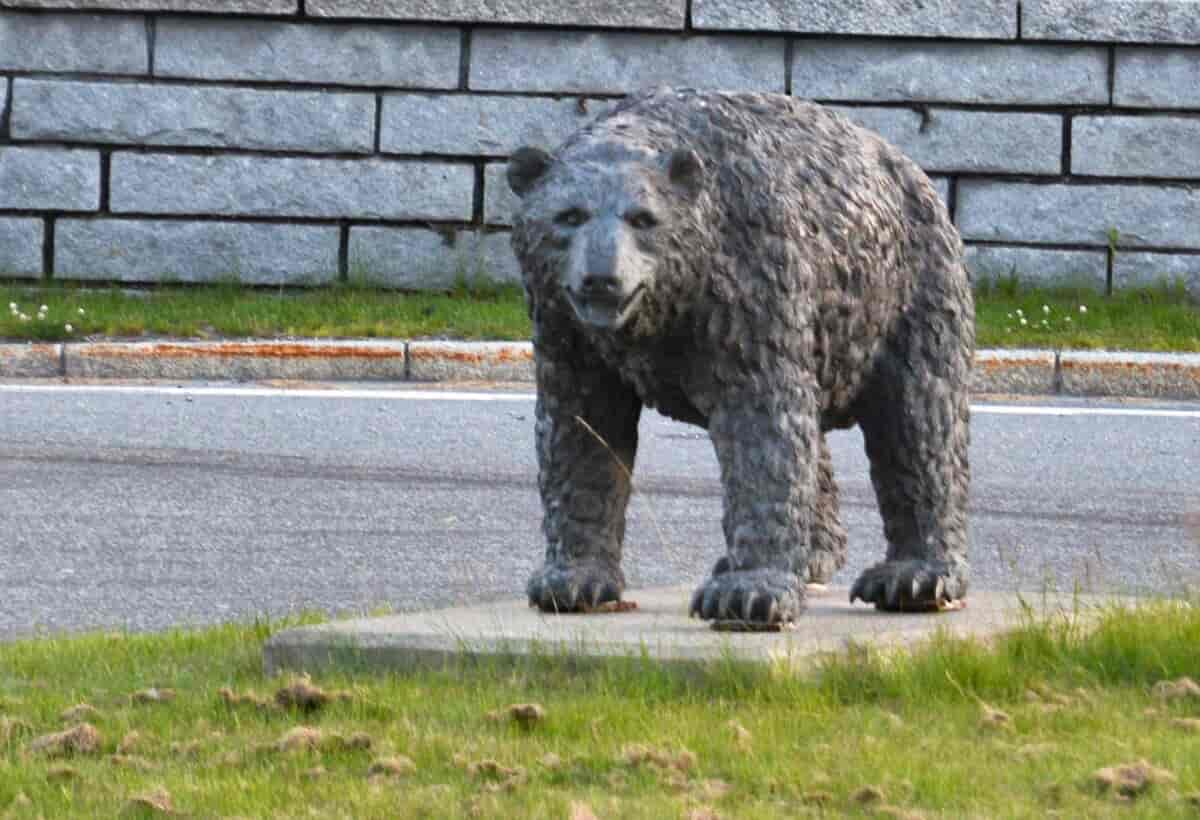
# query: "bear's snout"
[605,278]
[603,286]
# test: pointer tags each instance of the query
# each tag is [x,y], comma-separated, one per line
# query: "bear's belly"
[675,404]
[660,381]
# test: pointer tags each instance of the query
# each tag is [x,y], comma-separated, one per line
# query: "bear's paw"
[578,587]
[909,586]
[755,596]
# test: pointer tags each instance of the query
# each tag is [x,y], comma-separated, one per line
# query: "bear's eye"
[572,217]
[641,220]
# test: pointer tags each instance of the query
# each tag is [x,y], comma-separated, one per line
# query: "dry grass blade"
[582,811]
[525,715]
[867,795]
[301,694]
[12,727]
[156,802]
[1131,779]
[392,767]
[80,712]
[153,695]
[78,740]
[62,774]
[233,699]
[1177,689]
[301,738]
[662,540]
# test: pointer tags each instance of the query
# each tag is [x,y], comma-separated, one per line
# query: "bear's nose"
[600,285]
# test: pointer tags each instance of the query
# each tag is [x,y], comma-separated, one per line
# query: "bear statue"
[761,267]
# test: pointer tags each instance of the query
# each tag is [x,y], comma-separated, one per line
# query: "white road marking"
[1040,410]
[384,394]
[266,392]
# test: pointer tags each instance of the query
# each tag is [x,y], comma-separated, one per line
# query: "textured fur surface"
[763,268]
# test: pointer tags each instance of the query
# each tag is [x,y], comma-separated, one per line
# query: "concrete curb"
[251,360]
[1021,372]
[509,632]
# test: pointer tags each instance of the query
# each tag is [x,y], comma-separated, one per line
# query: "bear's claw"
[577,588]
[909,586]
[758,596]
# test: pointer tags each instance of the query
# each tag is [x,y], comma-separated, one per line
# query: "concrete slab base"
[658,629]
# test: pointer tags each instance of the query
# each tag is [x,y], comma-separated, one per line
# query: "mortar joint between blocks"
[343,263]
[1067,125]
[1112,75]
[464,59]
[48,249]
[151,42]
[6,109]
[479,193]
[378,121]
[105,184]
[789,57]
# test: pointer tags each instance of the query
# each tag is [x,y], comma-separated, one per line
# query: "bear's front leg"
[767,446]
[586,434]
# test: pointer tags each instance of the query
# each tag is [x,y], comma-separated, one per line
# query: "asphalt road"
[146,508]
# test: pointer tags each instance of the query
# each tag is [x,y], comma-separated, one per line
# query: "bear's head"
[600,218]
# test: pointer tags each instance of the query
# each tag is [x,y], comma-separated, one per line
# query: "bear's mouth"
[603,312]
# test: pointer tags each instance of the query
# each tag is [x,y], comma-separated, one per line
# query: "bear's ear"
[526,167]
[686,170]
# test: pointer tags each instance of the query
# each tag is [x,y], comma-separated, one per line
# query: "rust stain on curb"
[1016,372]
[38,360]
[1137,368]
[271,350]
[20,351]
[519,356]
[992,365]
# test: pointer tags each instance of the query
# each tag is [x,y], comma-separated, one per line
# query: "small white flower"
[24,318]
[1045,323]
[1045,308]
[81,311]
[67,327]
[12,306]
[1020,312]
[1024,321]
[1068,318]
[43,309]
[1010,315]
[1083,308]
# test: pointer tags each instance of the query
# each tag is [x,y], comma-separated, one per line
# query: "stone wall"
[302,141]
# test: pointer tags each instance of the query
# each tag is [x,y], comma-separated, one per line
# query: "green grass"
[230,311]
[739,741]
[1163,318]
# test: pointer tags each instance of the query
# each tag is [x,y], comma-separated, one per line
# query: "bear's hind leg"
[828,553]
[916,428]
